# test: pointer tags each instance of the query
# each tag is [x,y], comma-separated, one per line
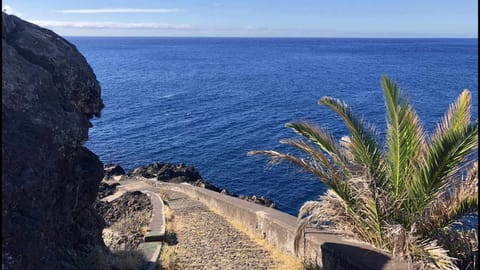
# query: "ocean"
[206,102]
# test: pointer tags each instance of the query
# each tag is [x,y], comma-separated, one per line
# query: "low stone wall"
[319,248]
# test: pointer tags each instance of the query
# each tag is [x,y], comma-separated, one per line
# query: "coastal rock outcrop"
[181,173]
[173,173]
[49,179]
[112,169]
[166,172]
[106,189]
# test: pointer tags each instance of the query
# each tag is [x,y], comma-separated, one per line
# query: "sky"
[250,18]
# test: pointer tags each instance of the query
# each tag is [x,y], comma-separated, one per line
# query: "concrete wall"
[319,248]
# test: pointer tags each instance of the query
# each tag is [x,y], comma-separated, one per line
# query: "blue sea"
[206,102]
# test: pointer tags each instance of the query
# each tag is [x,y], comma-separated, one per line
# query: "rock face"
[49,180]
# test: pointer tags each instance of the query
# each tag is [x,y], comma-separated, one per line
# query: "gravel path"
[206,240]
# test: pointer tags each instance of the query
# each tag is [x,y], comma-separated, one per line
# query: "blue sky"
[261,18]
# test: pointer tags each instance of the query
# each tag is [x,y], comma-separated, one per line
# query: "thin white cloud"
[108,25]
[119,10]
[7,9]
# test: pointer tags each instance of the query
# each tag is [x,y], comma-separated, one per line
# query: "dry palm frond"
[460,198]
[330,212]
[431,255]
[463,245]
[346,144]
[316,154]
[424,252]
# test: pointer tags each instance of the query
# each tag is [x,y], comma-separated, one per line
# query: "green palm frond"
[277,157]
[373,220]
[364,145]
[338,185]
[466,206]
[442,160]
[405,137]
[457,116]
[458,200]
[317,155]
[319,137]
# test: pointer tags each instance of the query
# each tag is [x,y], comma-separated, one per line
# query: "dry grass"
[282,260]
[168,215]
[164,195]
[168,257]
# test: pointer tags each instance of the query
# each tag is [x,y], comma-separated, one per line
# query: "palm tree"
[401,197]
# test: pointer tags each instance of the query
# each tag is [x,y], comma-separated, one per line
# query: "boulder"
[49,179]
[110,170]
[262,200]
[106,189]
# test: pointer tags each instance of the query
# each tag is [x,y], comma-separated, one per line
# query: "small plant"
[164,196]
[402,198]
[168,258]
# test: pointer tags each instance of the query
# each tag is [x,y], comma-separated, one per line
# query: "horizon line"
[305,37]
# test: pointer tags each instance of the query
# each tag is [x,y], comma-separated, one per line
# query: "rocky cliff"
[49,179]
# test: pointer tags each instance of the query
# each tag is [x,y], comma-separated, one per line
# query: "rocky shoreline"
[177,173]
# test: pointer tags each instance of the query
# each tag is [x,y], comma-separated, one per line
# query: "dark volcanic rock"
[127,205]
[148,171]
[172,173]
[180,173]
[105,189]
[262,200]
[125,215]
[111,170]
[204,184]
[49,180]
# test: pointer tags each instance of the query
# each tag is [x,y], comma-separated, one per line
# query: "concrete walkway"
[203,239]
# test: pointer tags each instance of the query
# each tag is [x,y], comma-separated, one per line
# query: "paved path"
[207,241]
[204,239]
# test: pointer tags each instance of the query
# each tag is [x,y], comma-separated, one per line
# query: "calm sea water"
[207,101]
